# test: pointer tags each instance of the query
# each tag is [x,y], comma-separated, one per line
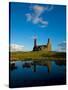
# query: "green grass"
[37,55]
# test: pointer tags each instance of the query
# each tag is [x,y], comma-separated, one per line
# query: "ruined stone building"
[47,47]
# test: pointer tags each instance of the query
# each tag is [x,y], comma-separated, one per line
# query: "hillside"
[36,55]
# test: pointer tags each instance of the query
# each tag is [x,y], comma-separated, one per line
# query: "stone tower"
[35,44]
[49,45]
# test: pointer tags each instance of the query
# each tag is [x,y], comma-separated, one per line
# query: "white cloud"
[16,47]
[29,17]
[36,20]
[38,10]
[36,15]
[62,46]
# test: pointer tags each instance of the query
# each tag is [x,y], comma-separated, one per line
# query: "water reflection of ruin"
[34,64]
[42,63]
[34,67]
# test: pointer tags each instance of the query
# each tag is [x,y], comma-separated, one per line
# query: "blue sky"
[43,21]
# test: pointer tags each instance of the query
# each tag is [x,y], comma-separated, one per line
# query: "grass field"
[37,55]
